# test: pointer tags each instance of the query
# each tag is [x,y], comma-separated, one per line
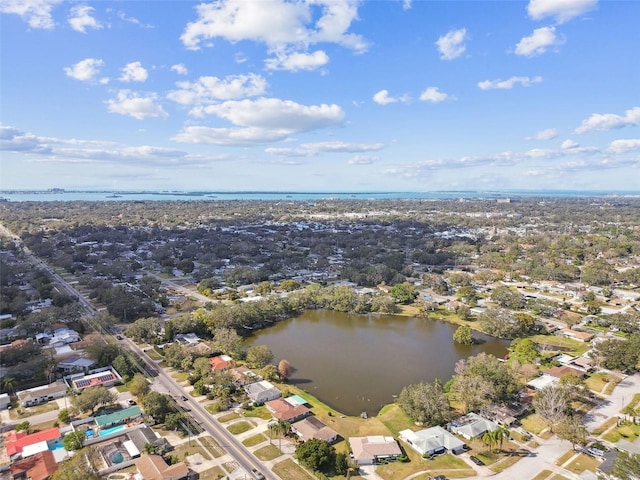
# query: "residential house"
[290,412]
[243,376]
[106,377]
[187,338]
[576,334]
[542,381]
[221,362]
[312,427]
[43,394]
[472,425]
[11,334]
[261,392]
[507,414]
[19,443]
[564,370]
[370,450]
[432,441]
[153,467]
[127,415]
[40,466]
[76,364]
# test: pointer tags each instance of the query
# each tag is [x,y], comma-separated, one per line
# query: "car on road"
[184,399]
[258,475]
[476,460]
[119,337]
[439,477]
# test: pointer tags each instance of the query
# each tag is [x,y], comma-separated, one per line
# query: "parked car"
[184,399]
[439,477]
[476,460]
[131,402]
[257,474]
[594,452]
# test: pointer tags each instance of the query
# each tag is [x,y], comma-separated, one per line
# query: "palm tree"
[283,428]
[488,438]
[273,430]
[9,383]
[501,433]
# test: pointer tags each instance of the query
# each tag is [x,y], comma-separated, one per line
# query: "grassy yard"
[542,475]
[184,450]
[534,424]
[289,470]
[582,463]
[153,355]
[258,412]
[211,474]
[240,427]
[417,464]
[567,345]
[268,452]
[180,376]
[605,426]
[565,457]
[626,430]
[22,412]
[254,440]
[228,417]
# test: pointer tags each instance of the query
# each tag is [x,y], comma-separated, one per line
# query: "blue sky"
[320,95]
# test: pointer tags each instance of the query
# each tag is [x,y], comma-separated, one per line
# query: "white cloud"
[363,160]
[314,149]
[538,42]
[567,144]
[276,114]
[123,16]
[609,121]
[85,70]
[137,106]
[133,72]
[406,4]
[560,10]
[433,95]
[625,145]
[546,134]
[80,19]
[277,23]
[509,83]
[383,98]
[207,90]
[37,13]
[297,61]
[180,69]
[452,44]
[229,136]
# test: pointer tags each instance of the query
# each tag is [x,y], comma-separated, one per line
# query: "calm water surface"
[357,363]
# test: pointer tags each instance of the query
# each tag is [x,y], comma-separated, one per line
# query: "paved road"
[611,406]
[165,383]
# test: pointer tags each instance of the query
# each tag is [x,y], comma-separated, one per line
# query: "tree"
[139,386]
[285,369]
[620,355]
[318,455]
[123,366]
[74,440]
[626,466]
[404,293]
[384,304]
[500,379]
[93,397]
[227,340]
[507,298]
[425,403]
[463,335]
[144,330]
[64,416]
[572,429]
[157,405]
[473,391]
[23,426]
[289,285]
[525,350]
[8,383]
[78,467]
[552,404]
[259,356]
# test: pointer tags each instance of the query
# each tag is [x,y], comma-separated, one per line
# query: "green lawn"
[568,345]
[228,417]
[583,462]
[268,452]
[184,449]
[259,412]
[605,426]
[212,446]
[254,440]
[542,475]
[240,427]
[289,470]
[626,430]
[565,457]
[214,473]
[534,424]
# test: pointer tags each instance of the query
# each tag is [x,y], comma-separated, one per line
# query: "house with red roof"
[221,362]
[281,409]
[40,466]
[16,442]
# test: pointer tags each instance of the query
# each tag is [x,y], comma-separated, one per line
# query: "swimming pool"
[111,430]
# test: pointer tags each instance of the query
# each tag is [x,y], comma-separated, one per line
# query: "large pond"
[359,363]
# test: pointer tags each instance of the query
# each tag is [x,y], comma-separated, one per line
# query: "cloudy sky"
[320,95]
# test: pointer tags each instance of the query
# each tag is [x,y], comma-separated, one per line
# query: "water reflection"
[358,363]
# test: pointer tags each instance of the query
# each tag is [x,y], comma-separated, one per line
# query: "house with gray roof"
[261,392]
[472,425]
[431,441]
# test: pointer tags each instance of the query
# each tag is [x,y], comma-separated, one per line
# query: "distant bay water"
[60,195]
